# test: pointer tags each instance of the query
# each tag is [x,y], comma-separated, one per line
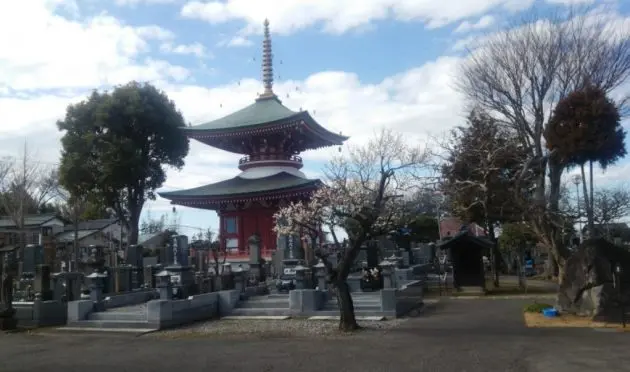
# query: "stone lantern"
[164,285]
[387,269]
[320,274]
[97,283]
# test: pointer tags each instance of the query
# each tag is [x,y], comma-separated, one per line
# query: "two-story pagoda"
[271,137]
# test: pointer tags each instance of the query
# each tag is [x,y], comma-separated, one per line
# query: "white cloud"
[339,16]
[147,2]
[483,22]
[239,41]
[49,51]
[196,49]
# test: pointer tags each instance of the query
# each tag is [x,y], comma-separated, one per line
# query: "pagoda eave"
[216,203]
[231,140]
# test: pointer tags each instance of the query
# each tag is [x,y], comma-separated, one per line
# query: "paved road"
[453,336]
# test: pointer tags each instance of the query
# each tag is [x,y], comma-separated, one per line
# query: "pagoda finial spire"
[267,64]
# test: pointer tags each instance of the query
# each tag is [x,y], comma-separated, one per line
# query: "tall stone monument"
[33,256]
[7,311]
[182,275]
[254,256]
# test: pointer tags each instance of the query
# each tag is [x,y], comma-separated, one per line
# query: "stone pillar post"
[164,285]
[300,277]
[227,278]
[387,273]
[96,290]
[239,280]
[320,274]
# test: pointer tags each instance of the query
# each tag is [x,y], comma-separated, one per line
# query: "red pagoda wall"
[249,221]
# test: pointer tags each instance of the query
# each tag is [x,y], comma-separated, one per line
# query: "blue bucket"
[550,312]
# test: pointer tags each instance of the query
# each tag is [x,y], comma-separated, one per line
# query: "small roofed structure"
[465,252]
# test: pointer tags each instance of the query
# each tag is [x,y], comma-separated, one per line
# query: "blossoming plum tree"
[363,196]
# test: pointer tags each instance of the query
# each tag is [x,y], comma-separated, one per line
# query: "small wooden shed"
[465,252]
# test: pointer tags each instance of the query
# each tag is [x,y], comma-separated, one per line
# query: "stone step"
[330,306]
[107,324]
[241,311]
[263,304]
[108,330]
[256,317]
[118,315]
[376,301]
[274,295]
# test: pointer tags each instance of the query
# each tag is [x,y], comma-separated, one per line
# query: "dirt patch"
[534,320]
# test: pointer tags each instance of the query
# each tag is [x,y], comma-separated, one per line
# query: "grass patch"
[536,308]
[537,320]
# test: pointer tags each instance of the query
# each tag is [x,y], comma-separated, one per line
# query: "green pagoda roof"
[261,112]
[243,187]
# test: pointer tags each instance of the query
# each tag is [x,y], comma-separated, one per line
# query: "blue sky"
[355,65]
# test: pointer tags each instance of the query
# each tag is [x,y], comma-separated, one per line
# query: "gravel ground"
[452,336]
[273,328]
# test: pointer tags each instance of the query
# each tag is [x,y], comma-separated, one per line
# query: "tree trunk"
[347,321]
[551,266]
[519,267]
[495,256]
[133,227]
[591,198]
[75,244]
[590,227]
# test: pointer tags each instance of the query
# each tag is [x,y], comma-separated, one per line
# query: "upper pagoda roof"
[261,112]
[241,189]
[267,115]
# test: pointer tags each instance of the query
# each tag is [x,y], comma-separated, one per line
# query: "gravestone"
[182,276]
[254,257]
[204,264]
[134,255]
[33,256]
[7,311]
[290,244]
[42,283]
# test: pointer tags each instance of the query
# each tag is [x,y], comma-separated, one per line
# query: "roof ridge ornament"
[267,64]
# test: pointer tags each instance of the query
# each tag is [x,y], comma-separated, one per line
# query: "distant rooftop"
[29,220]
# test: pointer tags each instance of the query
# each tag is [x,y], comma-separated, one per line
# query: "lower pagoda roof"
[240,189]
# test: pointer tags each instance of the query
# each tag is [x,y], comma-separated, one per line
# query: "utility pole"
[576,179]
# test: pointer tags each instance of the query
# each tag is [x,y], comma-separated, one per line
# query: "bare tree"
[611,204]
[26,186]
[363,196]
[518,75]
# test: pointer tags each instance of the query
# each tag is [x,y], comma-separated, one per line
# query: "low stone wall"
[354,282]
[40,313]
[170,313]
[306,302]
[398,302]
[129,298]
[79,310]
